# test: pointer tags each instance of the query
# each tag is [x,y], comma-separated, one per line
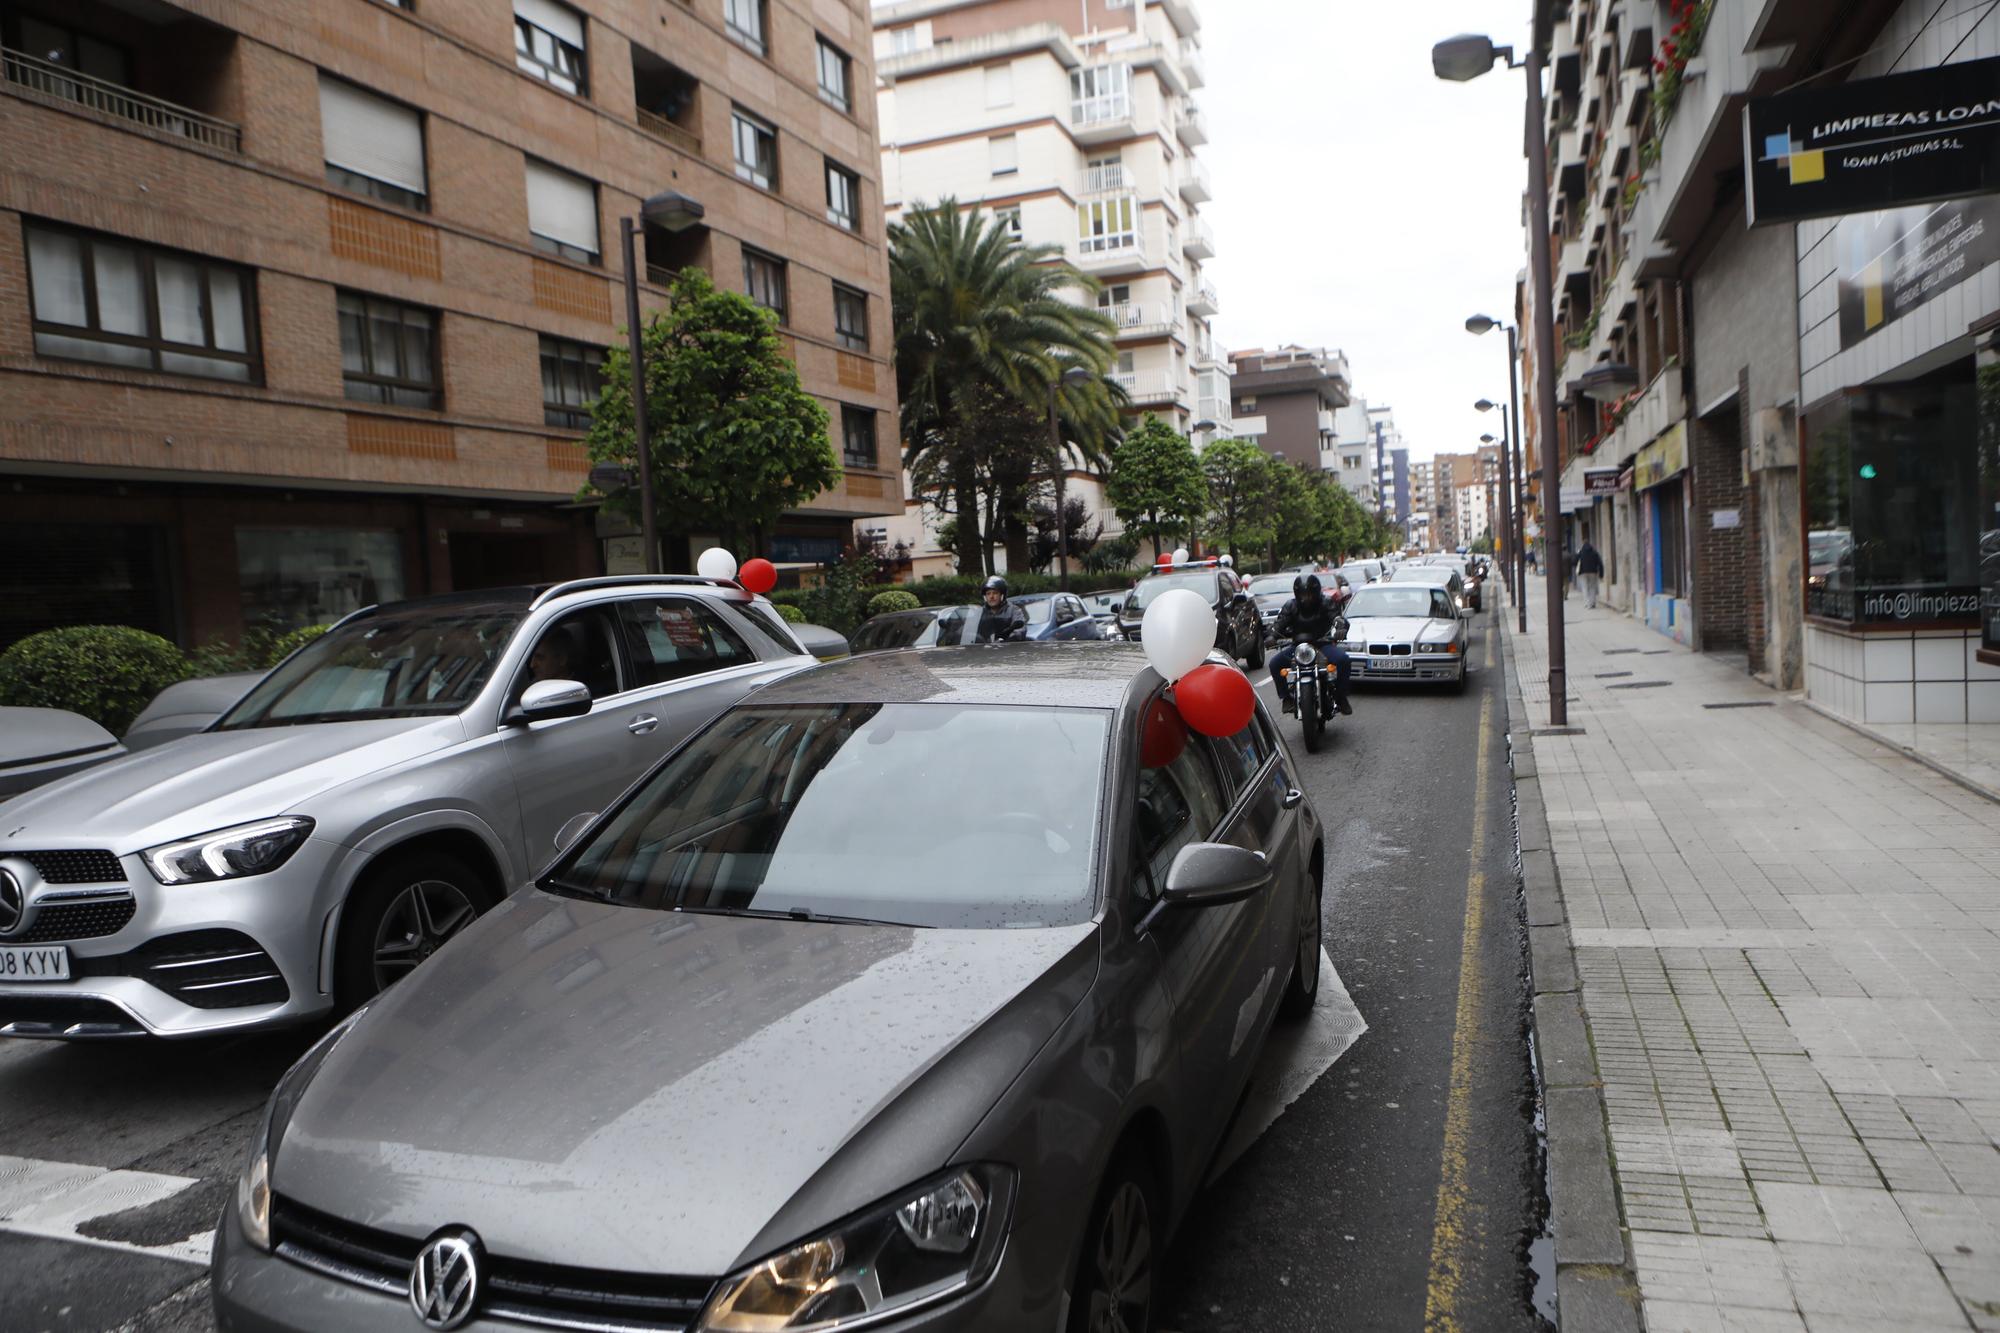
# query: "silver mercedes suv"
[360,805]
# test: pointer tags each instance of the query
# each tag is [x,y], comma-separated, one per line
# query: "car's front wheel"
[400,913]
[1114,1275]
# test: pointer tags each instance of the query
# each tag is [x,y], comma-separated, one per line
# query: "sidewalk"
[1788,973]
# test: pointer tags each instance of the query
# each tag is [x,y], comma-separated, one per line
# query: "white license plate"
[42,962]
[1392,664]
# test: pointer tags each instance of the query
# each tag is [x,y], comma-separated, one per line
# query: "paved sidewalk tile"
[1787,950]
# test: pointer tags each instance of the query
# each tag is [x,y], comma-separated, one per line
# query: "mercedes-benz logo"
[444,1281]
[13,903]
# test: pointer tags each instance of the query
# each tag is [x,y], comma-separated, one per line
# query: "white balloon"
[1177,632]
[1180,555]
[715,563]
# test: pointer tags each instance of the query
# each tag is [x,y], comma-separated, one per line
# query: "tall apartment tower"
[1287,400]
[303,307]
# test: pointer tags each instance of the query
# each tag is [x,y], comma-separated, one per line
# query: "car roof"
[1046,675]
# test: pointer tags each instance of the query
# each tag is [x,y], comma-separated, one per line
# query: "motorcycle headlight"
[230,853]
[941,1238]
[1306,655]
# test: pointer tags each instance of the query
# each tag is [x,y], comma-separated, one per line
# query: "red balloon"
[1215,700]
[1162,736]
[1166,557]
[758,576]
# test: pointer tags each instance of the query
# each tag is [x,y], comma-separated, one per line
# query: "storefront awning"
[1663,459]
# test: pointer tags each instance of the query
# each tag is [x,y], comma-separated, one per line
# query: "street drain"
[1615,652]
[1655,652]
[1743,703]
[1639,685]
[1612,675]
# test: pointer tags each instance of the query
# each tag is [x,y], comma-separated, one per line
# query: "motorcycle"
[1312,685]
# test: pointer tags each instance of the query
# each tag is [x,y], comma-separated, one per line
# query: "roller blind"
[561,207]
[371,135]
[557,20]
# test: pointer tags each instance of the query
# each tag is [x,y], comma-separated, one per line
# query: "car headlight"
[941,1238]
[253,1186]
[230,853]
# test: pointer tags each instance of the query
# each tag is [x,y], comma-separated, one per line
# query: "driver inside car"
[1312,614]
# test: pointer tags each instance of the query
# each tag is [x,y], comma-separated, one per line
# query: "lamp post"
[676,212]
[1460,59]
[1075,375]
[1516,458]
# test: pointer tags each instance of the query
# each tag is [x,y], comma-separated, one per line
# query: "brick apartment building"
[301,307]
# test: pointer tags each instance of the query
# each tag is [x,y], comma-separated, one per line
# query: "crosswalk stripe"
[53,1199]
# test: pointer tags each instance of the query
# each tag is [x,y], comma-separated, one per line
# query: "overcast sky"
[1363,204]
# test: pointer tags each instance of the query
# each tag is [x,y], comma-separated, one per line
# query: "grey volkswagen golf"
[914,991]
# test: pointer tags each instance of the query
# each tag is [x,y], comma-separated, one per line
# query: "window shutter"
[1003,154]
[999,85]
[371,135]
[554,19]
[562,207]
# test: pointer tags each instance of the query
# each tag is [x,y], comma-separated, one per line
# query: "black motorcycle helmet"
[1306,588]
[994,584]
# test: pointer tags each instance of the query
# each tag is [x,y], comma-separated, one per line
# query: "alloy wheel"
[1123,1295]
[1308,962]
[415,924]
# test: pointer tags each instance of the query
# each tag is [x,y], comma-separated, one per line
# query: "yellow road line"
[1454,1234]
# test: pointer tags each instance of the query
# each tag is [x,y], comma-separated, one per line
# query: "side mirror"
[573,829]
[1206,874]
[547,699]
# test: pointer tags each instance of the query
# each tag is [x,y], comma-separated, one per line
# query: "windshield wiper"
[564,889]
[788,914]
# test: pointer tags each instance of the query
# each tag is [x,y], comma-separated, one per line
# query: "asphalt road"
[1399,1190]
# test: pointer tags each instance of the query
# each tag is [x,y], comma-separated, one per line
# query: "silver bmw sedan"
[913,991]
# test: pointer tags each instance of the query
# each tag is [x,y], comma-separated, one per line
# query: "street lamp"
[1459,59]
[1075,375]
[1514,466]
[676,212]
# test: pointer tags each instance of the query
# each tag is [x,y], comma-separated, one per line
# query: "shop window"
[388,351]
[99,298]
[572,378]
[548,43]
[290,577]
[1989,475]
[1893,509]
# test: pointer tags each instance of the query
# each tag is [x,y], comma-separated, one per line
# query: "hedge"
[882,603]
[790,614]
[963,590]
[108,673]
[287,644]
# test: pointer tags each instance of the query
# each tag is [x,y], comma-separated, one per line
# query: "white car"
[1406,631]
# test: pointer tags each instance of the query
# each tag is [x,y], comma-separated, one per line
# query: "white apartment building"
[1473,511]
[1351,452]
[1078,124]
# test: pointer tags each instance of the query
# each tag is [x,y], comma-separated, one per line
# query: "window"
[764,280]
[1117,294]
[1177,803]
[999,86]
[548,43]
[672,638]
[843,197]
[572,377]
[288,577]
[71,49]
[1010,218]
[857,436]
[836,76]
[372,146]
[1100,93]
[902,41]
[388,351]
[756,149]
[744,20]
[578,647]
[562,212]
[850,318]
[1107,224]
[1002,155]
[97,298]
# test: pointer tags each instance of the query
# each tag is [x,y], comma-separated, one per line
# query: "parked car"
[39,745]
[1357,575]
[925,627]
[1103,607]
[826,645]
[186,707]
[363,803]
[752,1056]
[1270,592]
[1058,616]
[1239,629]
[1406,630]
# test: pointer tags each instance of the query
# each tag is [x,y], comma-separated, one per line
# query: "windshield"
[779,810]
[947,625]
[1383,600]
[1038,611]
[410,662]
[1148,588]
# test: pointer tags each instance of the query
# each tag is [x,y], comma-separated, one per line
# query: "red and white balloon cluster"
[757,575]
[1178,630]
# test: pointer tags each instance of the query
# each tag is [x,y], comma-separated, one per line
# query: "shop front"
[1659,477]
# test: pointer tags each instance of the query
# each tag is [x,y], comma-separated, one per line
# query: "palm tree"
[978,313]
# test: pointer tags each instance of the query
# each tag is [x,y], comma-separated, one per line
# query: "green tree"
[975,310]
[735,440]
[1156,481]
[1242,486]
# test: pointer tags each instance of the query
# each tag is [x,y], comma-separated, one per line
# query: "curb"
[1595,1279]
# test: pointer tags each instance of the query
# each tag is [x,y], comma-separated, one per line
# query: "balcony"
[1184,15]
[667,100]
[1112,178]
[1192,126]
[1138,319]
[44,81]
[1201,300]
[1197,240]
[1148,387]
[1121,252]
[1191,65]
[1324,417]
[1662,405]
[1101,118]
[1194,182]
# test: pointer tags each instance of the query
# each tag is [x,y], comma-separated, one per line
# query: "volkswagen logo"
[13,903]
[444,1281]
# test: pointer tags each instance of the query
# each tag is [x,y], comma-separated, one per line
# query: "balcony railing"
[59,83]
[1194,182]
[657,125]
[1102,109]
[1108,179]
[1147,386]
[1114,250]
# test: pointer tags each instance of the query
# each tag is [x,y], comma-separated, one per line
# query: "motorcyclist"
[999,619]
[1310,614]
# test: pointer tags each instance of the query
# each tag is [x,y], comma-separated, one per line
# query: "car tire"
[424,897]
[1302,988]
[1256,653]
[1122,1243]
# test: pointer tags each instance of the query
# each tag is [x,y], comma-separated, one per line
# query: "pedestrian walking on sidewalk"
[1589,569]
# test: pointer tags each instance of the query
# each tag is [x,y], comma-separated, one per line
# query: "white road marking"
[1294,1059]
[53,1199]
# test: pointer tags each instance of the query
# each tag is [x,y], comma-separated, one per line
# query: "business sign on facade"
[1600,481]
[1890,263]
[1663,459]
[1874,143]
